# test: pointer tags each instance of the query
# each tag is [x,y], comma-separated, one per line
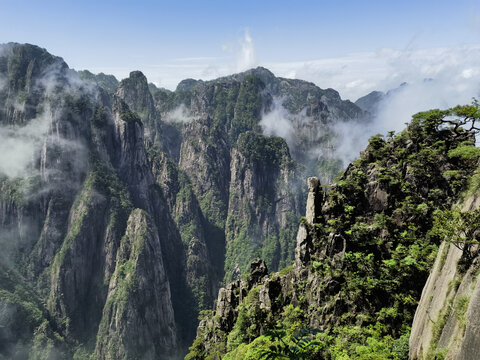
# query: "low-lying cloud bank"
[435,78]
[441,79]
[357,74]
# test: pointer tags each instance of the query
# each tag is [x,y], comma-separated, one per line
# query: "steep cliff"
[136,326]
[65,210]
[363,253]
[446,321]
[123,207]
[205,168]
[263,204]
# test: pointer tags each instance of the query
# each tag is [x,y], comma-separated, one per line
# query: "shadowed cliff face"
[123,210]
[133,325]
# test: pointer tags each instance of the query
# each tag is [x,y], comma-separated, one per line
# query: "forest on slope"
[125,206]
[364,252]
[127,209]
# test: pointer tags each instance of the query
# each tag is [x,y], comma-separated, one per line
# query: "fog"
[453,85]
[397,107]
[279,122]
[181,114]
[19,144]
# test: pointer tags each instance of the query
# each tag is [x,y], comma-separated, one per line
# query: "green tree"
[297,347]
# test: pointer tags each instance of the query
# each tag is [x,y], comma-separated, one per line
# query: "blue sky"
[172,40]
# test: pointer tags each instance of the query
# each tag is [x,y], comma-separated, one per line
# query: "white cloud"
[246,55]
[448,88]
[278,121]
[178,115]
[18,146]
[436,78]
[355,75]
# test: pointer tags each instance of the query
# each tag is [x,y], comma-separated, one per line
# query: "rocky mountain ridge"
[363,254]
[127,209]
[121,221]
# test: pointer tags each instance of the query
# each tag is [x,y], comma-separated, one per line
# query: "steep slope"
[363,254]
[131,326]
[123,207]
[208,120]
[65,210]
[262,205]
[446,321]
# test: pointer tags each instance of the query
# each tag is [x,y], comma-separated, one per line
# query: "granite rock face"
[65,212]
[349,235]
[446,320]
[133,203]
[133,325]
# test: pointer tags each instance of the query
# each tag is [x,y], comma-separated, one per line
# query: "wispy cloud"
[449,86]
[355,75]
[246,58]
[22,145]
[197,59]
[239,55]
[18,145]
[180,114]
[279,122]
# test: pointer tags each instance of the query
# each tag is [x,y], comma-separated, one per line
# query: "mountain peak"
[137,74]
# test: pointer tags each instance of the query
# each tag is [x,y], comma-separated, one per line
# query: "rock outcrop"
[136,326]
[66,213]
[126,184]
[363,253]
[134,203]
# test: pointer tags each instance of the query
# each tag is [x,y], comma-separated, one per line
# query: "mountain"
[126,210]
[446,320]
[371,101]
[124,207]
[363,254]
[107,82]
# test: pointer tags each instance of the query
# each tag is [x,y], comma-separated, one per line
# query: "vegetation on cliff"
[134,203]
[358,281]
